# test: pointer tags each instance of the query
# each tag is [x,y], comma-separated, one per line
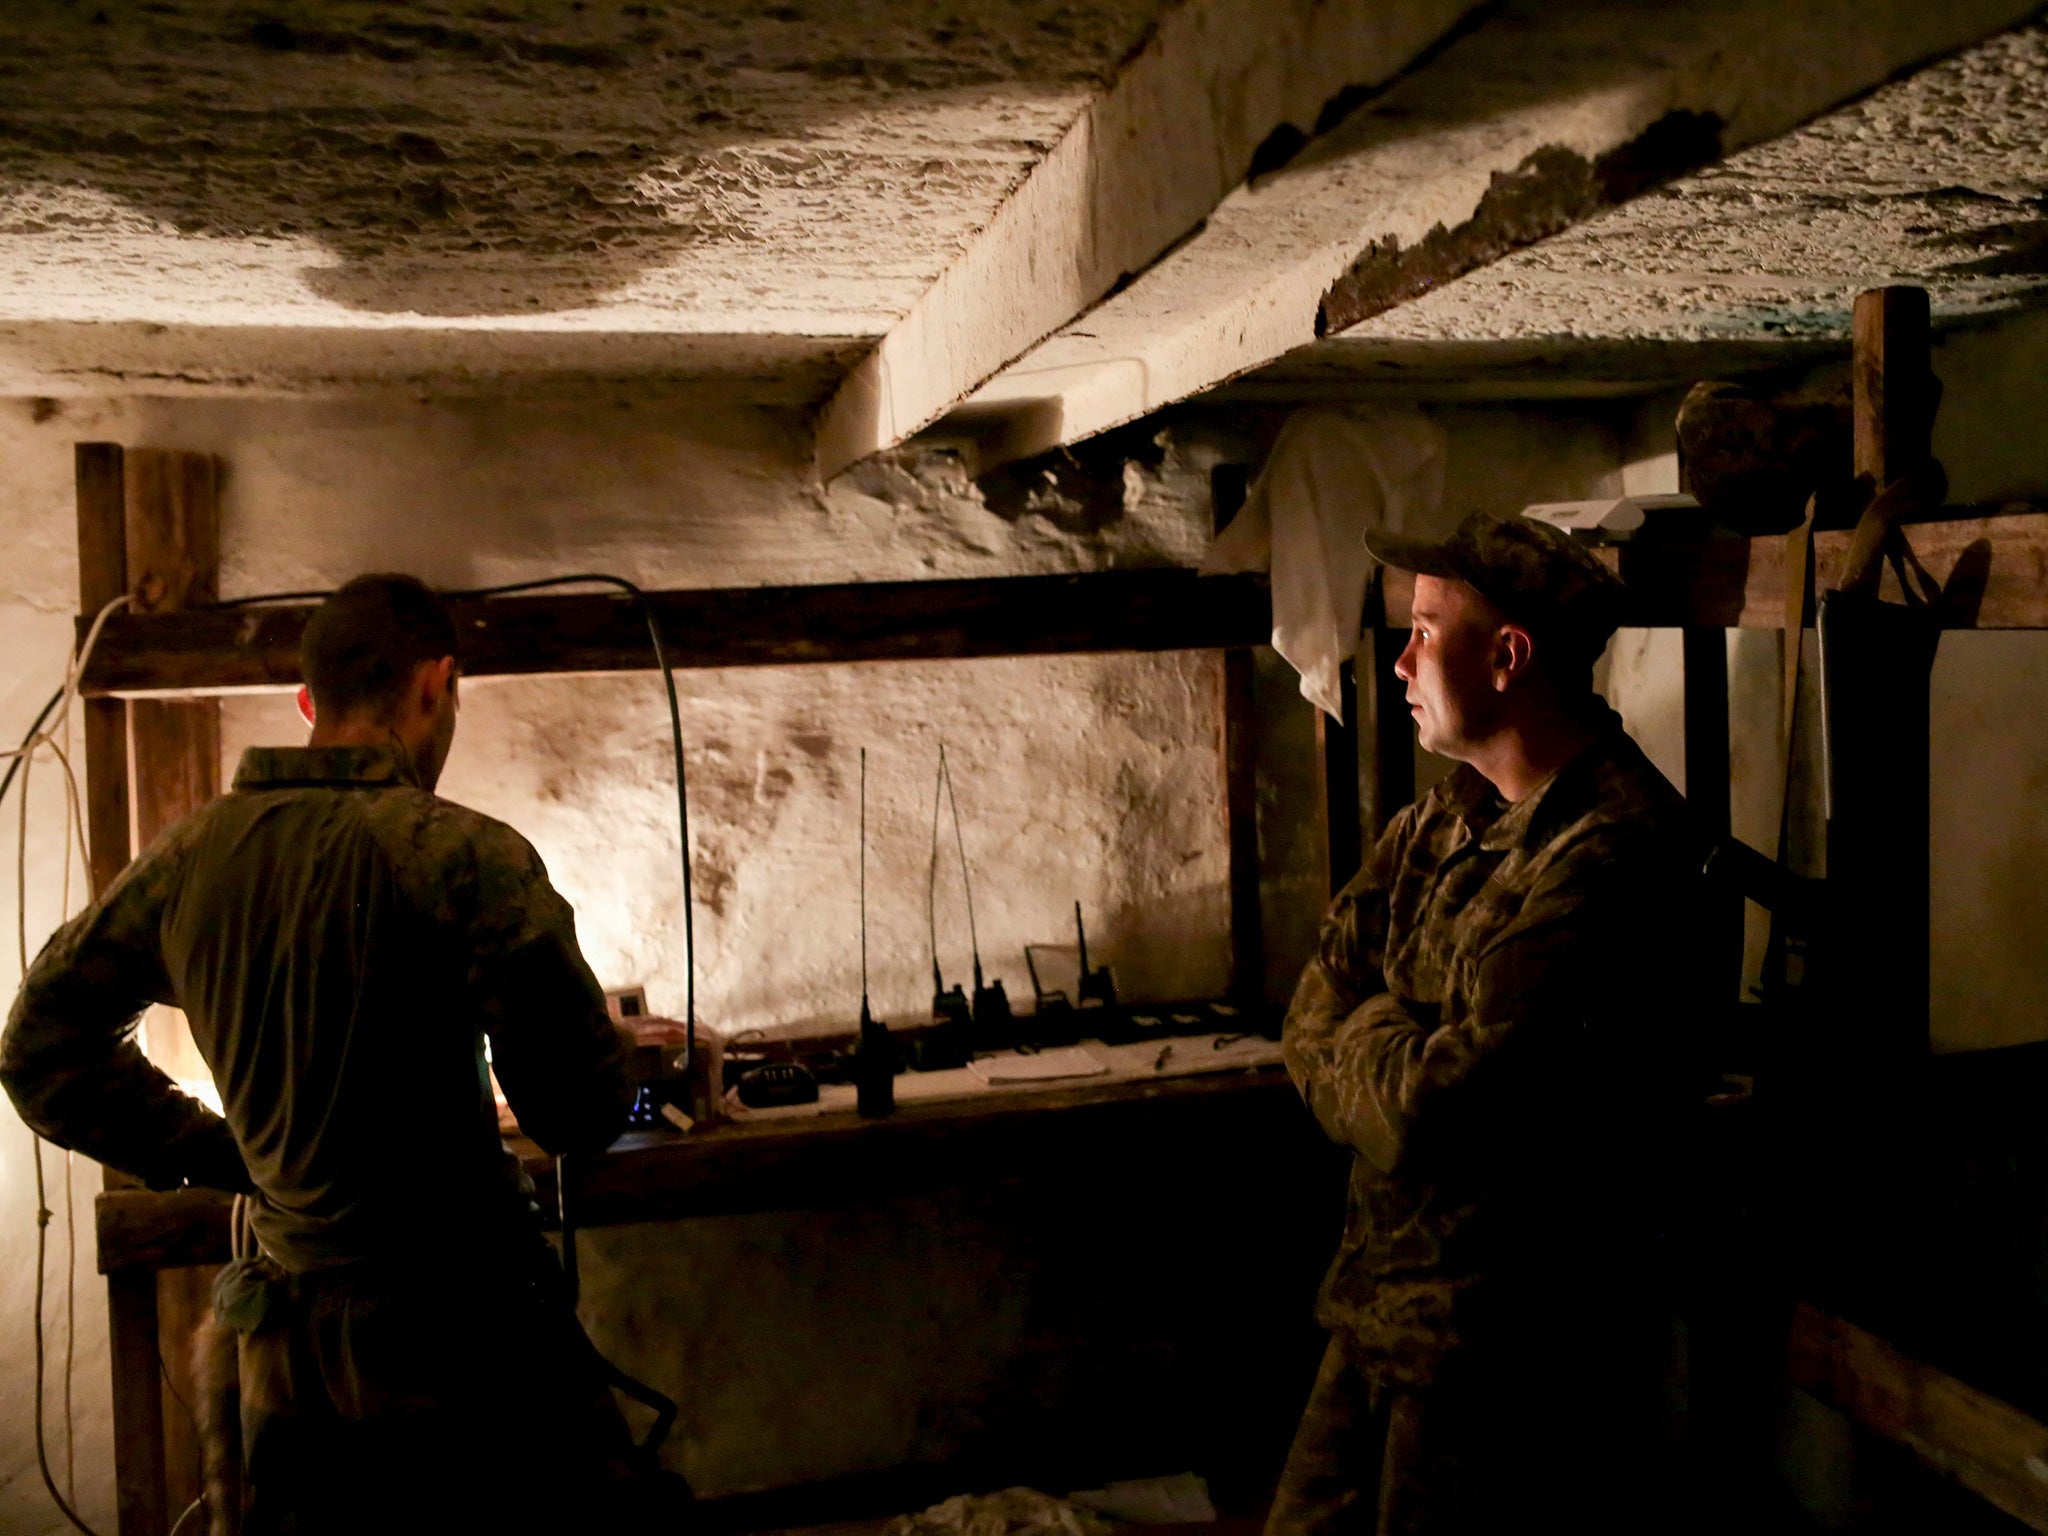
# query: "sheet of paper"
[1043,1067]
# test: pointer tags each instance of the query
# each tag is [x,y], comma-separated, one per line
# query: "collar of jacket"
[285,767]
[1529,822]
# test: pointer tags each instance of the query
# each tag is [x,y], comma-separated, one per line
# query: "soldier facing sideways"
[343,943]
[1495,1023]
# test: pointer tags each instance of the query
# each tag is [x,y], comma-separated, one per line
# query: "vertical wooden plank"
[173,560]
[1339,776]
[177,761]
[102,577]
[1878,856]
[1241,825]
[1892,381]
[99,469]
[138,1403]
[1707,787]
[183,1296]
[173,528]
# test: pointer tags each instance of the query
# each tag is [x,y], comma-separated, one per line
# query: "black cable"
[13,768]
[966,879]
[931,884]
[42,1197]
[675,723]
[863,882]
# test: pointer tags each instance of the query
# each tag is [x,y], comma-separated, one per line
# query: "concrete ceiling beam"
[1142,166]
[1532,122]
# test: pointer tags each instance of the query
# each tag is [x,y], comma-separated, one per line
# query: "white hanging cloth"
[1334,474]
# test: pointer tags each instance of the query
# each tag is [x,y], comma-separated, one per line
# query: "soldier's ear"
[305,704]
[1512,648]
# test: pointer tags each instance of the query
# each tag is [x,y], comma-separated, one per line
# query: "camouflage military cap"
[1538,576]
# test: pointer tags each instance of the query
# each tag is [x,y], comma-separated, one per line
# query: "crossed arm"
[1384,1075]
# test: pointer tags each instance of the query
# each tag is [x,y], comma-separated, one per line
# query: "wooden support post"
[173,557]
[1338,770]
[1877,659]
[102,577]
[149,526]
[1707,785]
[131,1297]
[1892,379]
[138,1403]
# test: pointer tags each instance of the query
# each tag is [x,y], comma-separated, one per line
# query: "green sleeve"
[564,1066]
[69,1057]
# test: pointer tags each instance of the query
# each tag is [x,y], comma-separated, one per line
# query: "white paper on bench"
[1043,1067]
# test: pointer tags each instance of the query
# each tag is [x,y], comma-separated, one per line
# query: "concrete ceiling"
[1529,128]
[1939,179]
[922,205]
[483,188]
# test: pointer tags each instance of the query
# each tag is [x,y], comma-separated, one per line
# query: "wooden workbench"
[1069,1133]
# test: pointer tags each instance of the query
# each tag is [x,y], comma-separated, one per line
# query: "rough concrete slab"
[1939,179]
[713,168]
[1527,123]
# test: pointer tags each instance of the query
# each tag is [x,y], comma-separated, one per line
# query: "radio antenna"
[966,879]
[931,885]
[874,1058]
[865,1017]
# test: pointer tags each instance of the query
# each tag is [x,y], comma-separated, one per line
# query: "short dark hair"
[363,644]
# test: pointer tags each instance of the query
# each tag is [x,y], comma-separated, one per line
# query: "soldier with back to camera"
[344,942]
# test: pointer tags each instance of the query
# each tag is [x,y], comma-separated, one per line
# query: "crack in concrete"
[1551,190]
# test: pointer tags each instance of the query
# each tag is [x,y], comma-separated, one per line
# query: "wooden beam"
[1878,663]
[1538,117]
[1134,610]
[1996,566]
[1144,162]
[102,577]
[137,1397]
[791,1164]
[173,560]
[1707,790]
[184,1297]
[138,1404]
[161,1229]
[1892,382]
[1990,1447]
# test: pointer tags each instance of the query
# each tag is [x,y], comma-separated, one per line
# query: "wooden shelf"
[832,1159]
[1996,566]
[220,650]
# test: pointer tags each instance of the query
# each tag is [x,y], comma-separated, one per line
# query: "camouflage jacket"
[1495,1023]
[343,944]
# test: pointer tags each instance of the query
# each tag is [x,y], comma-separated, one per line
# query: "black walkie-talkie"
[874,1059]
